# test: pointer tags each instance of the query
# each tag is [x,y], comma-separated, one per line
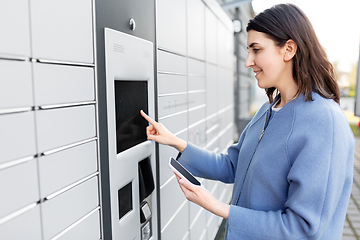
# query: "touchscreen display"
[130,98]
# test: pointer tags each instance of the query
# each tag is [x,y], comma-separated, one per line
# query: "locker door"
[14,28]
[62,30]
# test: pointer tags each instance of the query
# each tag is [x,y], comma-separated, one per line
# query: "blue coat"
[294,183]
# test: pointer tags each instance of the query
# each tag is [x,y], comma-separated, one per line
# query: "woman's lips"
[257,73]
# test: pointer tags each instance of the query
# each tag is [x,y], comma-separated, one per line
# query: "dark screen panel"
[130,98]
[125,200]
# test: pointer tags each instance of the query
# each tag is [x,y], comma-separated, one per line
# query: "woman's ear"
[290,50]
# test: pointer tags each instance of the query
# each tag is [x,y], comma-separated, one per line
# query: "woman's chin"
[261,85]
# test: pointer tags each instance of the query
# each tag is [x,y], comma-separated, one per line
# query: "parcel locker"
[196,29]
[25,226]
[17,136]
[197,84]
[16,89]
[196,67]
[173,104]
[210,37]
[64,126]
[221,44]
[62,211]
[19,187]
[211,89]
[171,84]
[172,202]
[178,227]
[171,25]
[87,228]
[61,169]
[14,28]
[197,133]
[198,222]
[171,63]
[61,84]
[62,30]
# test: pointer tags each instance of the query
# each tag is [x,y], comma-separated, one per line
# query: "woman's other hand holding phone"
[202,197]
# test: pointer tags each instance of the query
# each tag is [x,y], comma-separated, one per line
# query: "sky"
[336,23]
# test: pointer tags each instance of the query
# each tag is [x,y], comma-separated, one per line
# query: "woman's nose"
[249,61]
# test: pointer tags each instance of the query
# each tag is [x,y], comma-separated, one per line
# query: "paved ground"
[352,223]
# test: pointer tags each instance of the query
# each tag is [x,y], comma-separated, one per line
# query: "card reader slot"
[146,179]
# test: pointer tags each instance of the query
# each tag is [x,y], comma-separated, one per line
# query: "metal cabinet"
[17,136]
[171,84]
[61,169]
[196,68]
[16,89]
[196,29]
[171,63]
[25,226]
[14,28]
[210,37]
[65,209]
[62,30]
[198,223]
[211,89]
[87,229]
[173,201]
[63,126]
[59,84]
[171,25]
[19,187]
[175,104]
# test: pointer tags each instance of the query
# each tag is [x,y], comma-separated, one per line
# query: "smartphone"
[182,172]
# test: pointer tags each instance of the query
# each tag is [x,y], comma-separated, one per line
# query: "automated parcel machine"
[130,88]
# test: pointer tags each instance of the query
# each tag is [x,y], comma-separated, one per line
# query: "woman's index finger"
[149,119]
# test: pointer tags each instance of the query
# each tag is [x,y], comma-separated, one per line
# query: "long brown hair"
[312,70]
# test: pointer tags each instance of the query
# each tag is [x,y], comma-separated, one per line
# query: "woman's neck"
[287,92]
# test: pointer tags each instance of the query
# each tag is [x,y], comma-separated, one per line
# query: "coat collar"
[289,105]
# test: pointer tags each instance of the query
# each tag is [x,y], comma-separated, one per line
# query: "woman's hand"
[159,133]
[202,197]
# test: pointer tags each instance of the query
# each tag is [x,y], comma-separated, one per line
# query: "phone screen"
[184,172]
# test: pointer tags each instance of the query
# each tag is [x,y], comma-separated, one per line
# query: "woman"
[292,167]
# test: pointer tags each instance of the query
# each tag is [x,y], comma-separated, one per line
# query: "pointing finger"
[149,119]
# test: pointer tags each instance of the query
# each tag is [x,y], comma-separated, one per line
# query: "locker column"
[49,165]
[66,126]
[18,164]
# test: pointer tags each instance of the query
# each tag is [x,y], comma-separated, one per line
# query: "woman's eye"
[256,50]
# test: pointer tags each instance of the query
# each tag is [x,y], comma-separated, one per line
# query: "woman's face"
[266,59]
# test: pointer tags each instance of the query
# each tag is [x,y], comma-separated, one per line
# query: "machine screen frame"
[128,58]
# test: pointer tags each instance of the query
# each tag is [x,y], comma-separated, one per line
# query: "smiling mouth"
[257,73]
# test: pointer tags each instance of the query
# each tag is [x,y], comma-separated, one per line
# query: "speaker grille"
[119,48]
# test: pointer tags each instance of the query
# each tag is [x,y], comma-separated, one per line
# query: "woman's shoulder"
[320,110]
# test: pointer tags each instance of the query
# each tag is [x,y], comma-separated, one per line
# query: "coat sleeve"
[210,165]
[320,153]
